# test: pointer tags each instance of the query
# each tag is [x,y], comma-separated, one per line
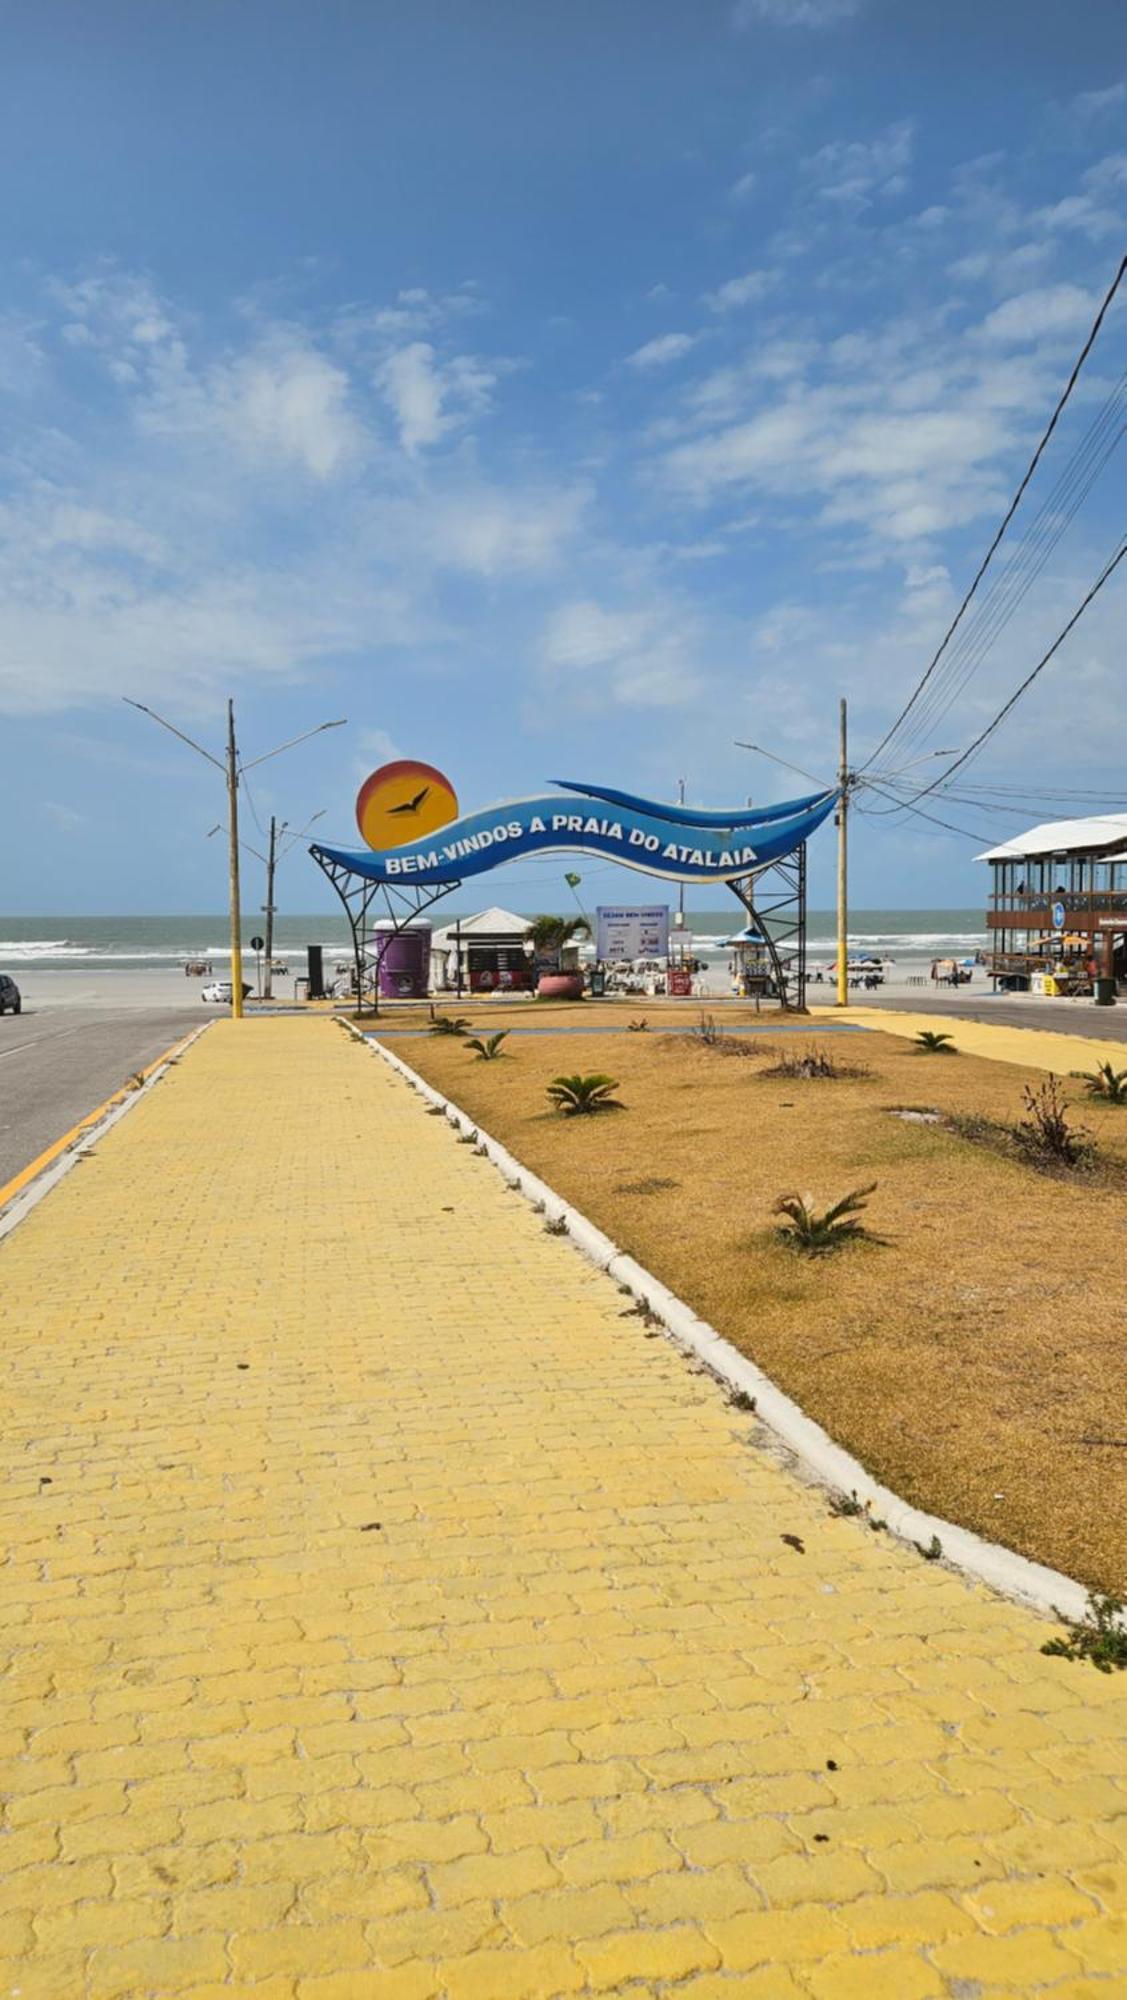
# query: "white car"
[221,992]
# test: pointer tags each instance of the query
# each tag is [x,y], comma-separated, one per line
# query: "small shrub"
[639,1027]
[576,1096]
[933,1042]
[816,1235]
[930,1551]
[449,1024]
[1100,1638]
[813,1063]
[1046,1135]
[1105,1082]
[706,1031]
[487,1048]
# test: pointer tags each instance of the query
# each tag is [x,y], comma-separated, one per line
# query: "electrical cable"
[1009,514]
[973,748]
[1005,596]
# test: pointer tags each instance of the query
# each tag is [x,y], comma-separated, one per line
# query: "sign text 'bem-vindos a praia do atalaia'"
[407,815]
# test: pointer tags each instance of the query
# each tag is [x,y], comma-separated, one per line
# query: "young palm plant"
[816,1235]
[932,1042]
[449,1024]
[579,1095]
[1105,1082]
[486,1048]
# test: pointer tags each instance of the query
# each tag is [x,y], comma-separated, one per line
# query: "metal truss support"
[774,898]
[404,905]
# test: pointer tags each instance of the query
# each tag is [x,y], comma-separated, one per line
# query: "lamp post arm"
[293,742]
[171,726]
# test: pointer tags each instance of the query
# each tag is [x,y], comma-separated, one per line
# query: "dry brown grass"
[966,1361]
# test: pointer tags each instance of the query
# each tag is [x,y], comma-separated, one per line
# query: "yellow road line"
[29,1173]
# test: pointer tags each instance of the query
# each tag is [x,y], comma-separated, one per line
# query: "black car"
[9,995]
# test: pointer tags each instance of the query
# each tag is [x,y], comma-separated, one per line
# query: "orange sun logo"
[402,802]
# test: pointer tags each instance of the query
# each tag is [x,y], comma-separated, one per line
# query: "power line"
[905,806]
[1006,594]
[1009,514]
[972,748]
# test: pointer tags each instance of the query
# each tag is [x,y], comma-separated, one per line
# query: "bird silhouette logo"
[403,802]
[409,805]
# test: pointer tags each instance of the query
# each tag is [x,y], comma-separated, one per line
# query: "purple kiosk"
[403,957]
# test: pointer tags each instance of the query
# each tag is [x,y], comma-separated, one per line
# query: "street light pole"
[680,885]
[843,864]
[233,849]
[233,772]
[271,852]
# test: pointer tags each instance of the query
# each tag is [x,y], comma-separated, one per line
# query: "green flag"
[573,881]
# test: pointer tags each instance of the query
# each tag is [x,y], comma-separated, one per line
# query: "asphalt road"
[1064,1017]
[57,1063]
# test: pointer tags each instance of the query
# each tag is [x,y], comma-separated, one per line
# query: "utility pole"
[233,773]
[233,830]
[843,865]
[271,862]
[680,885]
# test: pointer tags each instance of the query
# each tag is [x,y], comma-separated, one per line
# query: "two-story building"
[1058,906]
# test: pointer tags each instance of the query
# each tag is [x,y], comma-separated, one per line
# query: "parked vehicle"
[10,1001]
[221,992]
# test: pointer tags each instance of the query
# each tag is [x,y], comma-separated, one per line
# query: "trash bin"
[598,982]
[1104,992]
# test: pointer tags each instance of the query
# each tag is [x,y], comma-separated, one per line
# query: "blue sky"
[548,390]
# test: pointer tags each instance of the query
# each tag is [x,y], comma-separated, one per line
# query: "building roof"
[492,923]
[1063,836]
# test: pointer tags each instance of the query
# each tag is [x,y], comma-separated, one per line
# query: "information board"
[626,932]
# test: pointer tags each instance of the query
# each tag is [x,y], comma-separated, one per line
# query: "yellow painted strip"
[29,1173]
[1033,1048]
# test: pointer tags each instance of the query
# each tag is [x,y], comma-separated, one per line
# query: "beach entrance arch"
[420,849]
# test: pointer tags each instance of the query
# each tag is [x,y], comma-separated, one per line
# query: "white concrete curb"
[36,1190]
[815,1454]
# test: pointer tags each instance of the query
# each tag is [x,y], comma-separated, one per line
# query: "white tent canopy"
[1063,836]
[493,924]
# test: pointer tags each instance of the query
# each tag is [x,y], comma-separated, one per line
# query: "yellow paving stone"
[567,1720]
[407,1982]
[567,1914]
[160,1966]
[1026,1959]
[296,1948]
[1007,1906]
[670,1953]
[546,1969]
[628,1858]
[488,1876]
[884,1975]
[1100,1944]
[785,1937]
[769,1983]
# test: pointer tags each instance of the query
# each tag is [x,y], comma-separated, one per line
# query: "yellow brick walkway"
[385,1617]
[1032,1047]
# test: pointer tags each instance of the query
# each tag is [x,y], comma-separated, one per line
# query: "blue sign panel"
[1059,916]
[641,834]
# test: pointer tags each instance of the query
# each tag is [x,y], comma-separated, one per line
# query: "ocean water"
[134,944]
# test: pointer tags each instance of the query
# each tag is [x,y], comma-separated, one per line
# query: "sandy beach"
[168,986]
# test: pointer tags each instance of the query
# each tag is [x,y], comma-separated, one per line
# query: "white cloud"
[1037,315]
[656,353]
[430,397]
[488,532]
[643,657]
[855,172]
[1091,105]
[283,403]
[792,13]
[744,188]
[742,291]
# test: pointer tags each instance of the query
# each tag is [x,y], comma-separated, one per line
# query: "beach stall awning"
[1062,836]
